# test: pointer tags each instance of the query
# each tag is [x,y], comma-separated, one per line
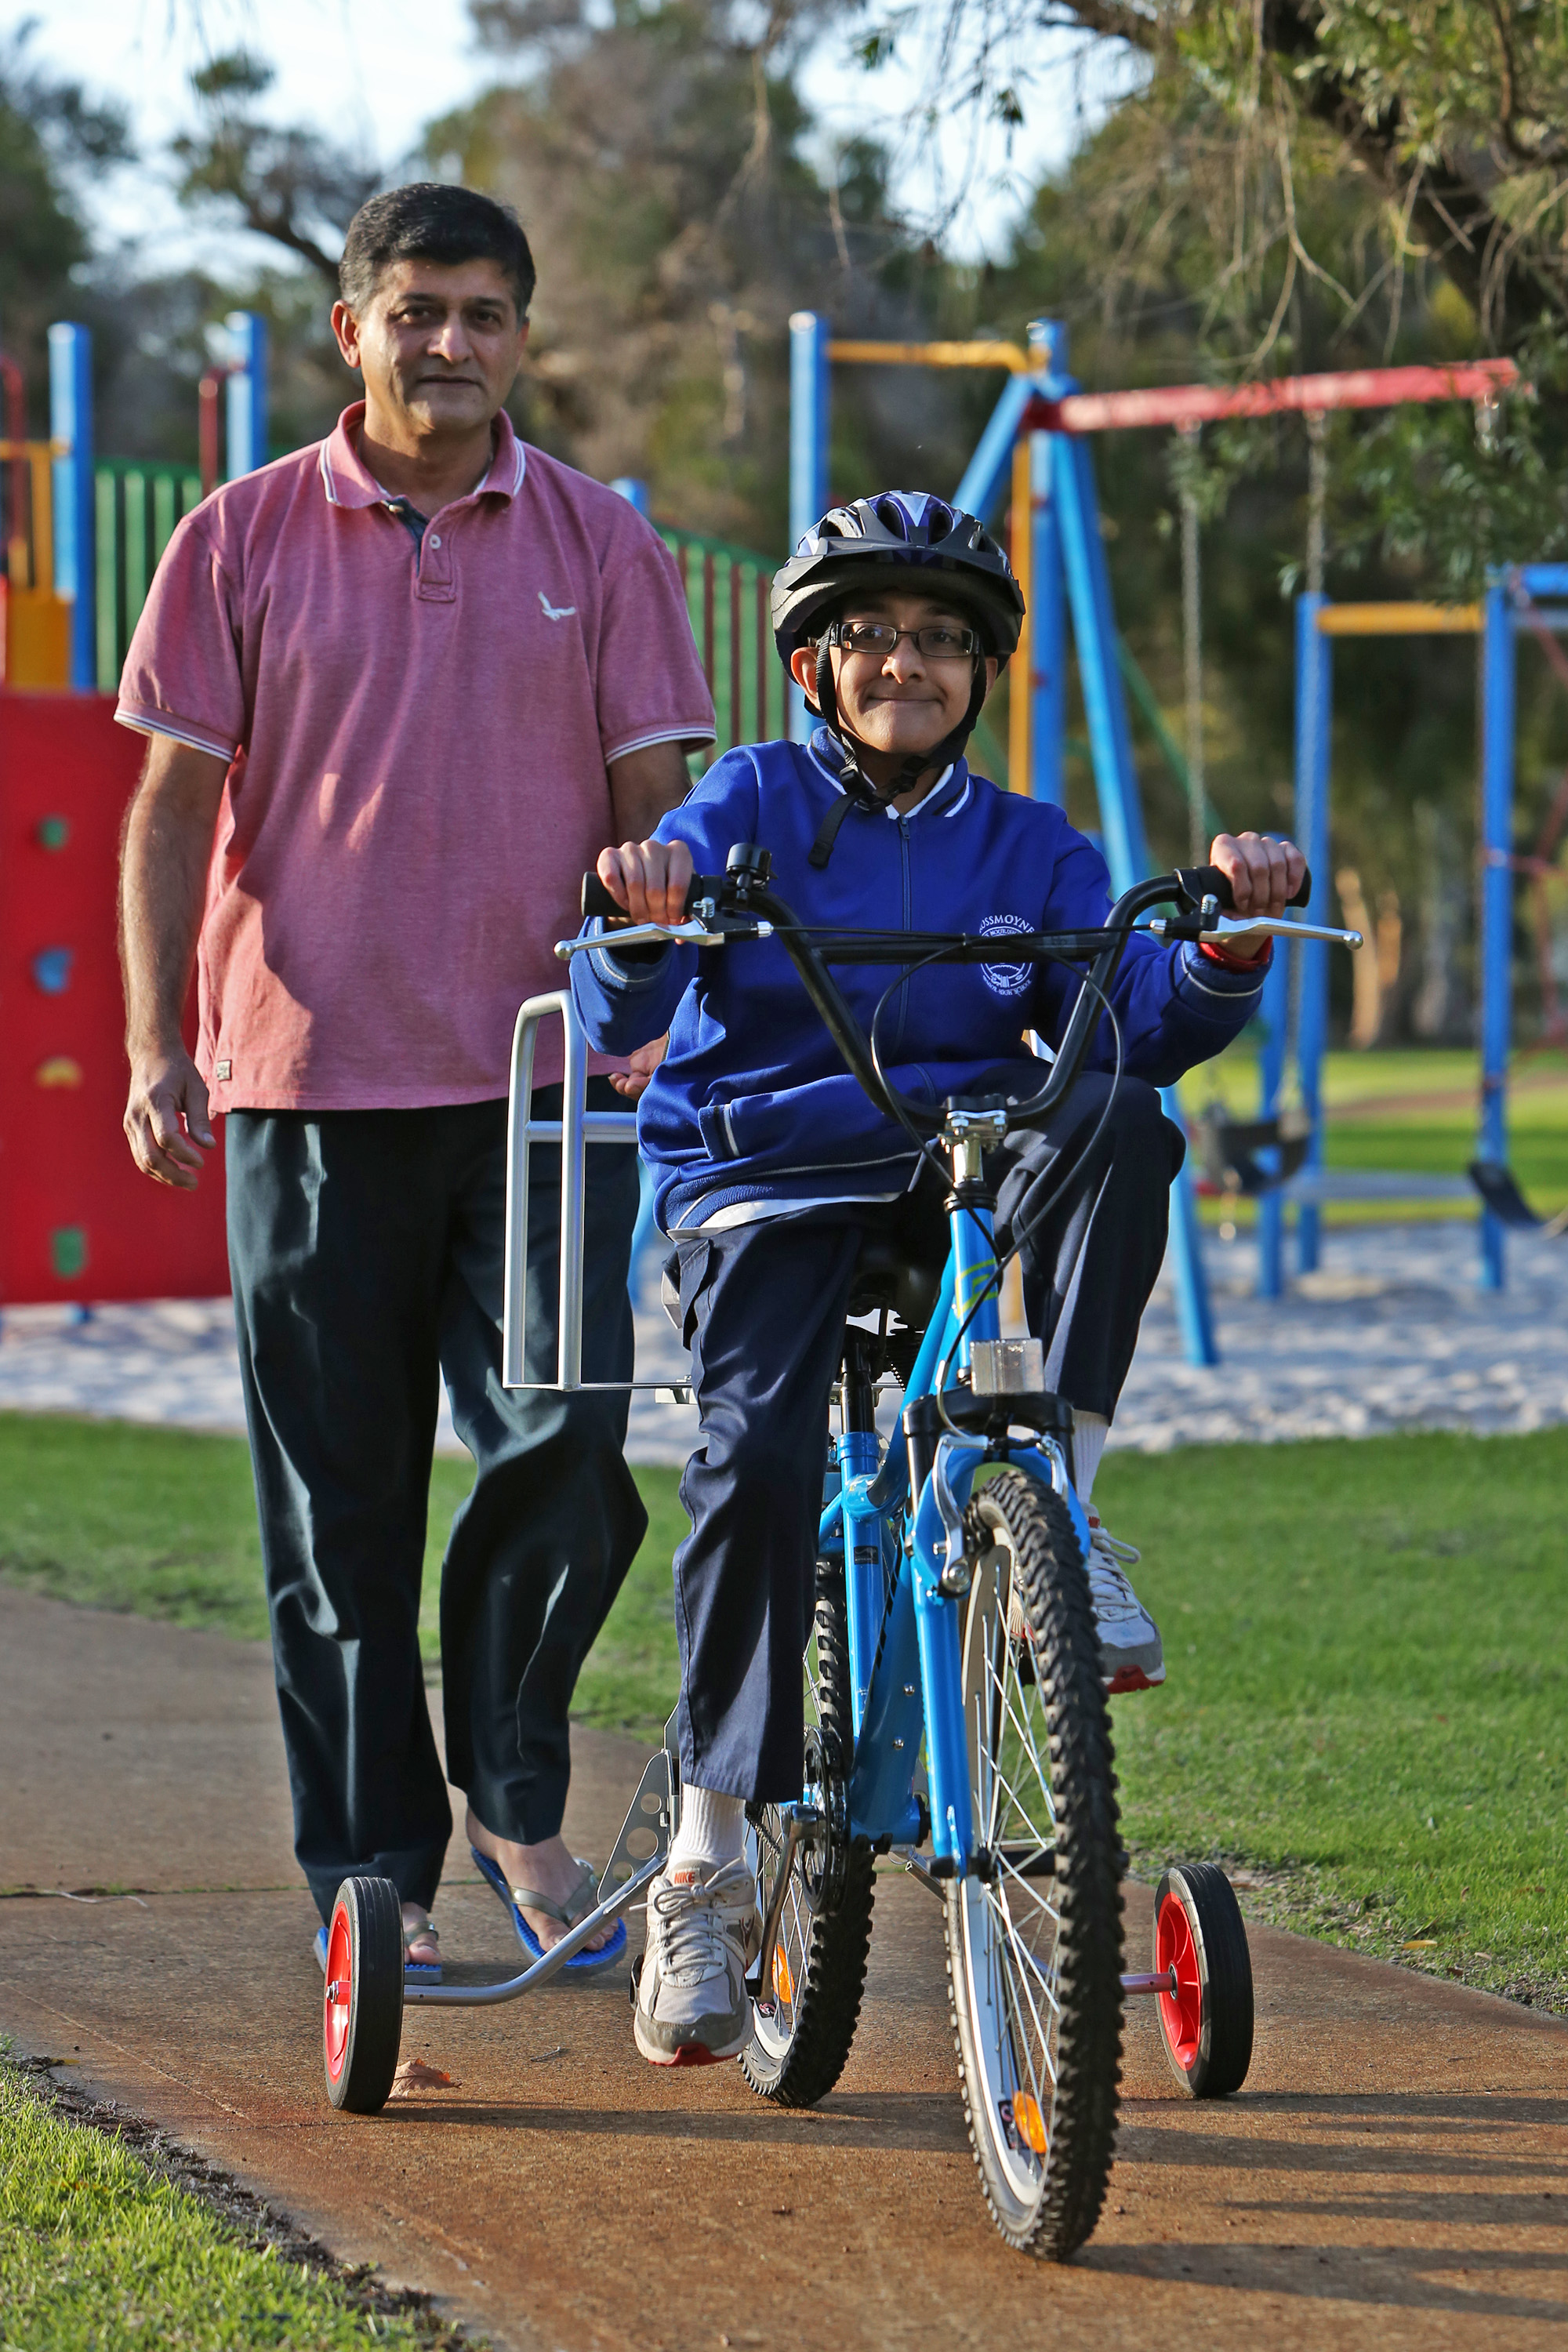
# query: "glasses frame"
[967,652]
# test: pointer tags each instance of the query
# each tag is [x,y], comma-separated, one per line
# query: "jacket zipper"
[907,925]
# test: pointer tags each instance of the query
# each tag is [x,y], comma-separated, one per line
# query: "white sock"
[712,1829]
[1090,1431]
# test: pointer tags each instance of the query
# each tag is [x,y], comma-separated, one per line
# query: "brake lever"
[696,932]
[1218,929]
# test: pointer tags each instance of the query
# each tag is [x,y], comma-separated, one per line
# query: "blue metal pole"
[989,472]
[1497,675]
[633,489]
[1121,813]
[1045,641]
[71,423]
[808,431]
[1275,1011]
[1314,701]
[247,393]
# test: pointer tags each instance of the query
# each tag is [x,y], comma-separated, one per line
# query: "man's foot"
[1131,1654]
[549,1868]
[704,1929]
[421,1944]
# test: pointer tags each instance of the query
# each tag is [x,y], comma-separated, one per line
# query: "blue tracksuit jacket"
[752,1103]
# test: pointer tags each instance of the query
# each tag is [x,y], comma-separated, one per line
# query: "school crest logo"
[1006,979]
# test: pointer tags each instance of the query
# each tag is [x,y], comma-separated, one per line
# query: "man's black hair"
[430,220]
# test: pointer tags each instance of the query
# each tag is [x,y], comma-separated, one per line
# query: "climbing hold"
[52,832]
[52,970]
[68,1251]
[59,1070]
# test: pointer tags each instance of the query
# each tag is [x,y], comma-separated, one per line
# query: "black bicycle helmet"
[900,541]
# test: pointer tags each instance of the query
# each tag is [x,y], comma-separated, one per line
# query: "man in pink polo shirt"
[402,687]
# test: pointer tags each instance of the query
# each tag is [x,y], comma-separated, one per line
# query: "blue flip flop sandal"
[568,1913]
[413,1971]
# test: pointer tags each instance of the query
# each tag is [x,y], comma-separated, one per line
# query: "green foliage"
[51,142]
[99,2253]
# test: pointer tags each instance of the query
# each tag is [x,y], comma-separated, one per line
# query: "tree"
[1455,112]
[286,184]
[51,142]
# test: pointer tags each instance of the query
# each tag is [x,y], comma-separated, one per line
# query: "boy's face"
[904,701]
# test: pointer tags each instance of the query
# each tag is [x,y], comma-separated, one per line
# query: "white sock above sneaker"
[1090,1431]
[712,1829]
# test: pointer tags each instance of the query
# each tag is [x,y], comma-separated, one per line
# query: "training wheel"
[362,2019]
[1207,2023]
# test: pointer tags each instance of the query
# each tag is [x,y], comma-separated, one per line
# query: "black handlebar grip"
[597,900]
[1208,882]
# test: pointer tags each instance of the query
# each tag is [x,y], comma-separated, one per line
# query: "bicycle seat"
[887,1276]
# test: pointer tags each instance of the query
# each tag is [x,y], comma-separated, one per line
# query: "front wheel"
[1207,2023]
[361,2022]
[1034,1934]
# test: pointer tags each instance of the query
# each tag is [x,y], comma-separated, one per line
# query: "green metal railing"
[727,597]
[137,506]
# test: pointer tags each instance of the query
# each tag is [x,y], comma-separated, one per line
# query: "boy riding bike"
[772,1167]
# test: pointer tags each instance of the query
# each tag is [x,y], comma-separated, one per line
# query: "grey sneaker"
[1131,1654]
[704,1929]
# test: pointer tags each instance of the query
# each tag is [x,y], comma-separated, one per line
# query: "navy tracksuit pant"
[763,1310]
[365,1250]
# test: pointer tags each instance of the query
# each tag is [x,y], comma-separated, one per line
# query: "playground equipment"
[953,1627]
[82,537]
[1033,444]
[1534,597]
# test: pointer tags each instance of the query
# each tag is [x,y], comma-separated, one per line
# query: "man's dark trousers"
[763,1308]
[365,1250]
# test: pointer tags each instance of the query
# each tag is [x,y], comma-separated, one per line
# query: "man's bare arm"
[165,855]
[644,785]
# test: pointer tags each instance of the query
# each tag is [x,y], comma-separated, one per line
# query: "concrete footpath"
[1395,2172]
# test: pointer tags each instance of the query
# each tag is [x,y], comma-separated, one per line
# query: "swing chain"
[1193,649]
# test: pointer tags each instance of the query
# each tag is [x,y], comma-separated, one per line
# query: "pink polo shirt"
[419,740]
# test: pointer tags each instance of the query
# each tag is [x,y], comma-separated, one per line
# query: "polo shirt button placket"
[435,582]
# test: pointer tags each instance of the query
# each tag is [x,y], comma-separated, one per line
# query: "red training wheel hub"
[1181,2013]
[339,1985]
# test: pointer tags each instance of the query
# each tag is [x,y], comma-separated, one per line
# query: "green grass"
[161,1523]
[100,2253]
[1368,1663]
[1384,1113]
[1368,1658]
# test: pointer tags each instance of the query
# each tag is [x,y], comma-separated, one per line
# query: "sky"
[371,73]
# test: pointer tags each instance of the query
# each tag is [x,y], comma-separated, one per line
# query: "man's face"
[905,700]
[438,344]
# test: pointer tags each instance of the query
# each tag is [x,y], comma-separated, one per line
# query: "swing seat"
[1498,1189]
[1248,1157]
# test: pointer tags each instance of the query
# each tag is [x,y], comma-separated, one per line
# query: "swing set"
[1035,447]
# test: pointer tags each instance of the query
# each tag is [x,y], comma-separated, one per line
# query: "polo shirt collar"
[348,482]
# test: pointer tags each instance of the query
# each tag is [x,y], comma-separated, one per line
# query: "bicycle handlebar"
[744,893]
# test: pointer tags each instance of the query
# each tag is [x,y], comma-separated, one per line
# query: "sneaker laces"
[1113,1597]
[694,1943]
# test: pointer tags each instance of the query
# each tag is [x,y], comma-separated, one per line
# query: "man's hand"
[165,1088]
[1264,877]
[644,1063]
[648,878]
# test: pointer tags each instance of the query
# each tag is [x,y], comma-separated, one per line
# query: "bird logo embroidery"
[555,611]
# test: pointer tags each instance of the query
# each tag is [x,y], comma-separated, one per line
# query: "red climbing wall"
[77,1220]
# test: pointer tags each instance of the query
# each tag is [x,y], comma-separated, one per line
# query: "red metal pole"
[18,536]
[207,392]
[764,647]
[735,726]
[1197,404]
[708,615]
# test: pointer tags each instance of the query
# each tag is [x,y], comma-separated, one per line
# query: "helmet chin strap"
[859,789]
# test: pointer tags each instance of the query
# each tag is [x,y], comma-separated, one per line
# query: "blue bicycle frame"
[904,1660]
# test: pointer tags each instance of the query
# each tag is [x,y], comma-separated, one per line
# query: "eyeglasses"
[939,641]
